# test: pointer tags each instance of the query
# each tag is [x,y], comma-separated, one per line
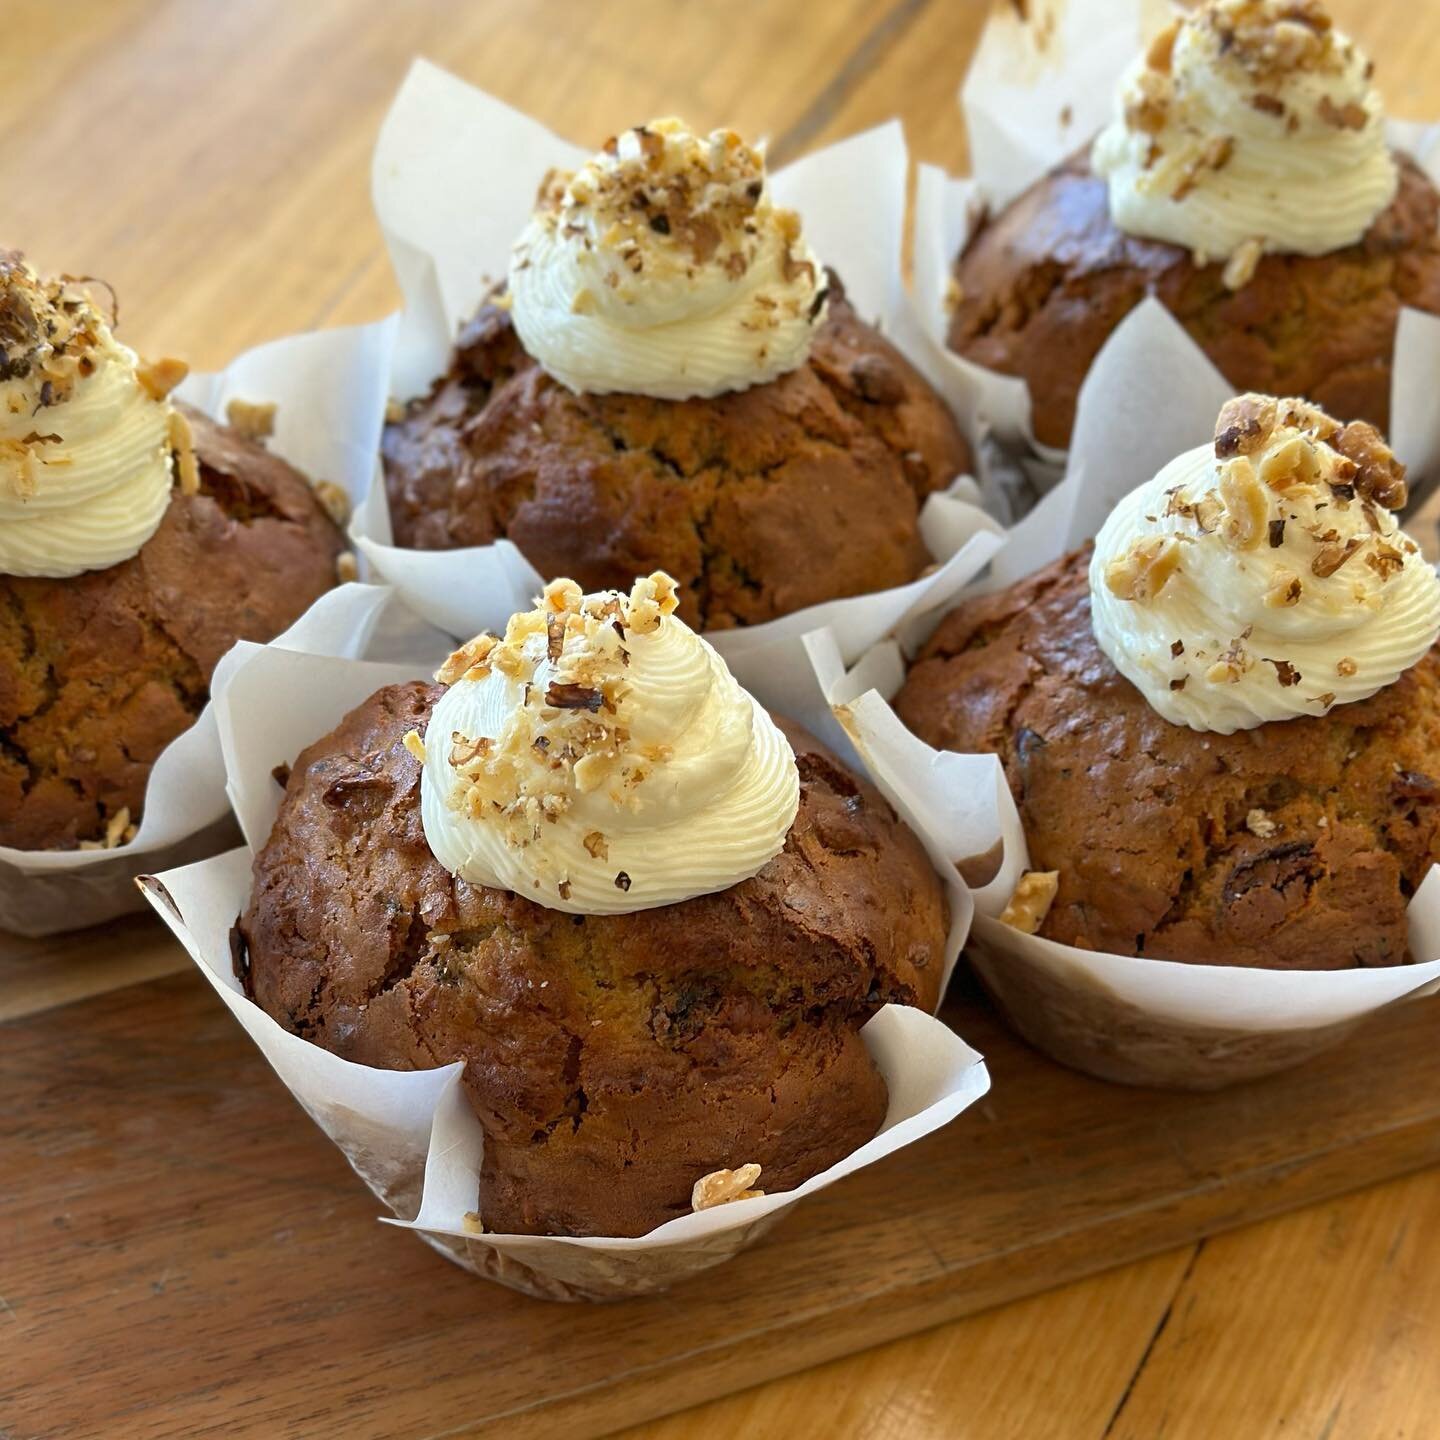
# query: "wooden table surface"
[209,158]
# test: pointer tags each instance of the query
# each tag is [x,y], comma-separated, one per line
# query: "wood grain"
[164,1199]
[211,161]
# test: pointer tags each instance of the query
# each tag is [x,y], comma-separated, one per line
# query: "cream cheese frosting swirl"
[1265,577]
[1250,127]
[85,432]
[662,268]
[601,758]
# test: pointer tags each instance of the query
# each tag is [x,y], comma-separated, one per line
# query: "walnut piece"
[159,377]
[254,420]
[1142,572]
[720,1187]
[1243,425]
[1246,521]
[1031,902]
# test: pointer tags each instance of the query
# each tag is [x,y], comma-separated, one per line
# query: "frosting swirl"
[1266,577]
[1250,127]
[85,432]
[601,758]
[661,268]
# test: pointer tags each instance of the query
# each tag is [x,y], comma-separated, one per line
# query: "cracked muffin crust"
[1044,284]
[1295,845]
[613,1060]
[759,502]
[100,672]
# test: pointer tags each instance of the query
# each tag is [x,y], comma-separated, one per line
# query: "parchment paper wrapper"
[412,1136]
[1150,395]
[330,389]
[1035,93]
[455,175]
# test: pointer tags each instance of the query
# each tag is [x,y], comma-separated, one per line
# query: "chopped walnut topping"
[118,831]
[1213,155]
[1142,572]
[1345,668]
[1244,425]
[1247,505]
[415,745]
[1293,462]
[159,377]
[1240,267]
[1285,673]
[1162,48]
[1331,556]
[1384,560]
[720,1187]
[1379,476]
[334,499]
[471,1223]
[469,661]
[1349,116]
[1031,902]
[597,846]
[347,567]
[1259,824]
[252,419]
[182,442]
[1233,664]
[1285,590]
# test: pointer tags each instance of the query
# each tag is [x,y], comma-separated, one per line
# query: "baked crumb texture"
[1043,285]
[614,1060]
[1296,845]
[758,502]
[99,672]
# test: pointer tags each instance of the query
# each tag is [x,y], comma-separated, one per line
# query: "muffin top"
[1210,830]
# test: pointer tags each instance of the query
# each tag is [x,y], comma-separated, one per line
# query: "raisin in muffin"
[614,1056]
[120,589]
[1276,227]
[705,398]
[1261,784]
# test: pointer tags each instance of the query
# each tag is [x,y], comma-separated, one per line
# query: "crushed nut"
[159,377]
[1385,560]
[1345,667]
[334,499]
[1379,476]
[720,1187]
[596,846]
[182,442]
[1031,902]
[415,745]
[1258,823]
[1285,673]
[347,567]
[1332,556]
[1247,505]
[1240,267]
[1142,572]
[1285,590]
[1293,462]
[251,419]
[468,661]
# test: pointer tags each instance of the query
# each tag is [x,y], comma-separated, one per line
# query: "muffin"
[1220,727]
[138,541]
[671,379]
[1247,184]
[648,918]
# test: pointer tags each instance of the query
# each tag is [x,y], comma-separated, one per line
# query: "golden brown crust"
[101,671]
[1044,284]
[759,502]
[1295,845]
[613,1060]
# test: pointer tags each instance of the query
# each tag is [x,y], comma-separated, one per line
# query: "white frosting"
[1246,657]
[85,467]
[1257,131]
[678,784]
[661,268]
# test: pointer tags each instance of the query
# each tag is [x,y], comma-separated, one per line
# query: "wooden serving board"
[182,1252]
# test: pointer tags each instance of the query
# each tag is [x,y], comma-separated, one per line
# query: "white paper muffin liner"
[1034,94]
[454,179]
[330,389]
[412,1135]
[1150,395]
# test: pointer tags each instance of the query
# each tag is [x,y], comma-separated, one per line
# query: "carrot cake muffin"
[672,379]
[138,541]
[1222,726]
[649,918]
[1245,182]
